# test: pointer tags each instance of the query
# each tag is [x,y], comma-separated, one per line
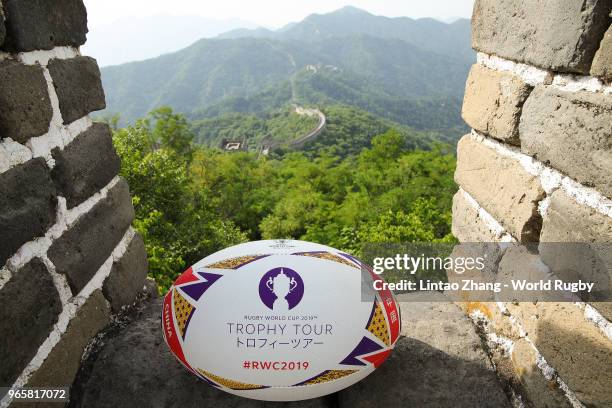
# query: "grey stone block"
[602,64]
[541,391]
[468,225]
[579,351]
[493,101]
[86,165]
[501,186]
[135,368]
[42,24]
[30,307]
[128,275]
[571,131]
[81,250]
[62,363]
[559,35]
[27,205]
[25,107]
[567,221]
[78,87]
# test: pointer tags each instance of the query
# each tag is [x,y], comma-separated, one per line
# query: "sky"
[270,13]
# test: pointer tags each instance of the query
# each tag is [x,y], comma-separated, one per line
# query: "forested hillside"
[191,200]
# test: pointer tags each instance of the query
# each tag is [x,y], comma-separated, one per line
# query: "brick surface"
[60,367]
[571,132]
[523,263]
[42,24]
[567,221]
[575,347]
[25,107]
[602,64]
[78,87]
[501,186]
[542,392]
[2,28]
[128,275]
[30,306]
[499,322]
[493,102]
[519,368]
[86,165]
[490,252]
[552,34]
[27,205]
[81,250]
[468,225]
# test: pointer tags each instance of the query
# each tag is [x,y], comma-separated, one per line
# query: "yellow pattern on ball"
[330,257]
[182,310]
[378,325]
[234,385]
[232,263]
[329,376]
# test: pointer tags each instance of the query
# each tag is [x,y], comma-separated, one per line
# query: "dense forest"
[275,127]
[192,200]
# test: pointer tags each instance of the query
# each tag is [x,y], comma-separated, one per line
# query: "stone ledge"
[552,34]
[133,367]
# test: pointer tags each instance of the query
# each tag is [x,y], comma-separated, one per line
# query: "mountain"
[408,71]
[139,38]
[427,33]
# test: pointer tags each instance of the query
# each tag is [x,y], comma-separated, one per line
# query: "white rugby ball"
[280,320]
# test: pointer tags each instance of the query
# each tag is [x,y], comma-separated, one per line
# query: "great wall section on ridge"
[313,134]
[77,308]
[266,147]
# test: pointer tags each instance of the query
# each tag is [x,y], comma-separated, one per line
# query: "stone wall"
[69,259]
[537,167]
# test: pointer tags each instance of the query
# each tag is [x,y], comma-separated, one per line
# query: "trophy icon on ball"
[281,289]
[281,285]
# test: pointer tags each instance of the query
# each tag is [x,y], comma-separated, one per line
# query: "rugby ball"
[280,320]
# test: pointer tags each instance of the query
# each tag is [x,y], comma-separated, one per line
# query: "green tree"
[176,220]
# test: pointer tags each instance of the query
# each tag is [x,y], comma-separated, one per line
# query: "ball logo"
[281,289]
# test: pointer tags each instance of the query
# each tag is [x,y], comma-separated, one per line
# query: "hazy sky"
[271,13]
